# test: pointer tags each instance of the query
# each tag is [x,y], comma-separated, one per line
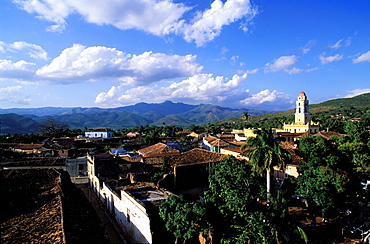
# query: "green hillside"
[14,123]
[114,120]
[331,107]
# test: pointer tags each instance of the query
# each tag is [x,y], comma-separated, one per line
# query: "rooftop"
[158,150]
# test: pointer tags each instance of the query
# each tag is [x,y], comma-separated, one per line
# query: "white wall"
[129,213]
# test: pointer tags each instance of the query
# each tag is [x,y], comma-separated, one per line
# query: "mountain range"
[25,120]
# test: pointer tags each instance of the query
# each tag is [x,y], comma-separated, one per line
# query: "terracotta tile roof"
[127,159]
[33,207]
[219,143]
[236,149]
[328,134]
[198,156]
[237,143]
[291,134]
[35,161]
[209,139]
[214,141]
[100,129]
[290,147]
[158,150]
[28,146]
[154,161]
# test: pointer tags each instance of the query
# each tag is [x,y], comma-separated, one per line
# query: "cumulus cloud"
[158,17]
[330,59]
[13,94]
[282,63]
[33,50]
[198,88]
[357,92]
[87,64]
[208,24]
[365,57]
[18,71]
[268,100]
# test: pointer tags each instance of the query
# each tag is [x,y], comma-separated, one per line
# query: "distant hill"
[165,108]
[168,113]
[14,123]
[359,101]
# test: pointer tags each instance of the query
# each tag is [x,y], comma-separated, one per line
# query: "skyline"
[234,53]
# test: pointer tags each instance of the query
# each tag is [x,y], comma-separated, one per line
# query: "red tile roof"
[198,156]
[159,149]
[28,146]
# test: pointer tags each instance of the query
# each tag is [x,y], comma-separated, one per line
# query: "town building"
[99,133]
[302,118]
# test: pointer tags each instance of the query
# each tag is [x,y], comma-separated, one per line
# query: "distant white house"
[99,133]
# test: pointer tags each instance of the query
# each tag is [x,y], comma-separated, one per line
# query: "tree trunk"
[268,186]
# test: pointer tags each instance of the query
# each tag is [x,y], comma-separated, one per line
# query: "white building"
[99,133]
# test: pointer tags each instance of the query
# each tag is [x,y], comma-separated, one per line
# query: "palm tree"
[264,154]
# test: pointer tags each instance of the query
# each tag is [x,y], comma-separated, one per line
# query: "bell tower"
[302,115]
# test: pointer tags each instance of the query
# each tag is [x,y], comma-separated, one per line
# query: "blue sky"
[235,53]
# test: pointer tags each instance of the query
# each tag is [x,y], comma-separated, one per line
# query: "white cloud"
[307,47]
[294,70]
[18,71]
[253,71]
[341,42]
[267,99]
[14,95]
[50,10]
[208,24]
[198,88]
[158,17]
[33,50]
[337,44]
[282,63]
[357,92]
[365,57]
[87,64]
[330,59]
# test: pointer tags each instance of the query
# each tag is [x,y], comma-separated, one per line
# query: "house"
[158,150]
[234,151]
[296,160]
[190,170]
[289,136]
[214,144]
[28,148]
[132,203]
[99,133]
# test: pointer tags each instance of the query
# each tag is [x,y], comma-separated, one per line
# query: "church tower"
[302,123]
[302,115]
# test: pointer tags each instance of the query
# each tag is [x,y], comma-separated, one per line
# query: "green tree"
[233,188]
[185,220]
[245,116]
[237,215]
[323,177]
[264,153]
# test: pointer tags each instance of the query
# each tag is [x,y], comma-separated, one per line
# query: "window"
[128,216]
